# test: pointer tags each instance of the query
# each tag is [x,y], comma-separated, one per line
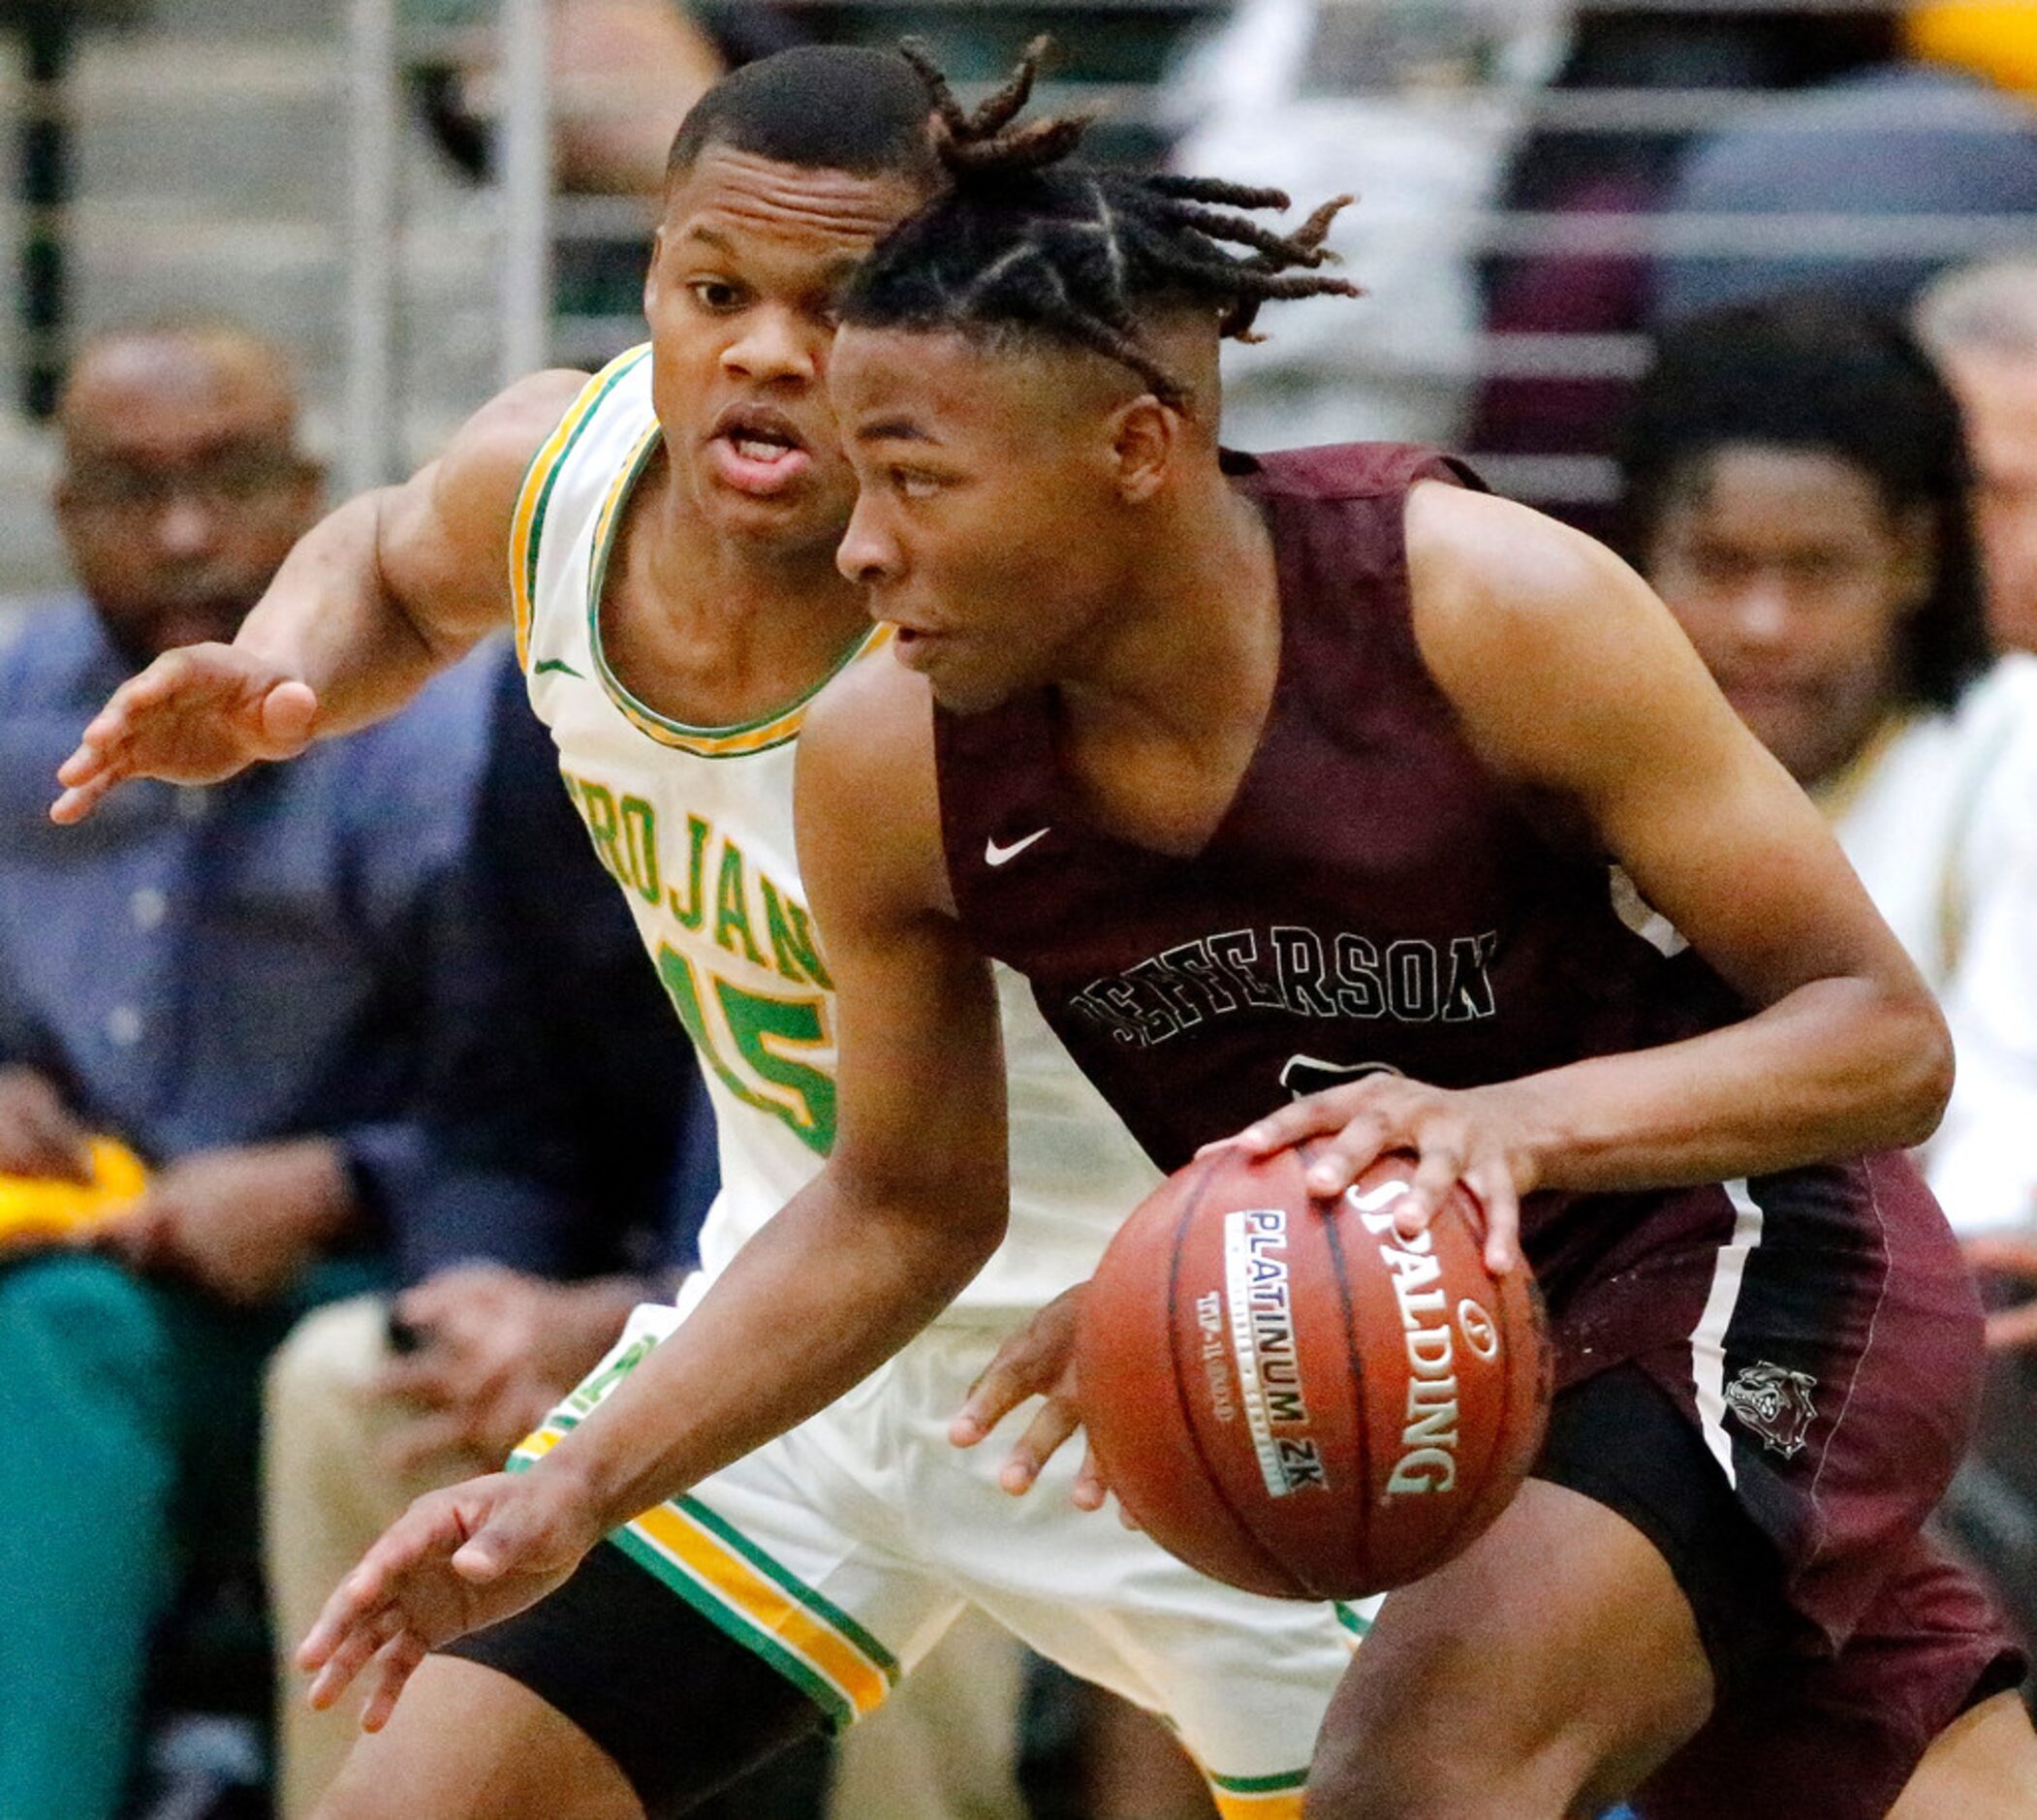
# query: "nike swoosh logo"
[994,855]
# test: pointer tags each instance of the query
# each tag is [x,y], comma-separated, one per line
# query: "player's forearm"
[331,619]
[1837,1068]
[830,1288]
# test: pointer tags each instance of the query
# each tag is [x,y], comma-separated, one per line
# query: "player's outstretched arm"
[375,597]
[910,1206]
[1571,679]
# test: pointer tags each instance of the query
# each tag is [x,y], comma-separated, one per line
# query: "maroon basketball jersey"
[1373,899]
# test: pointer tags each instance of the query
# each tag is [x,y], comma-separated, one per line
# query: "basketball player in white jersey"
[662,537]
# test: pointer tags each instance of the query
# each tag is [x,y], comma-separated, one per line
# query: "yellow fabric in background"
[36,1208]
[1997,41]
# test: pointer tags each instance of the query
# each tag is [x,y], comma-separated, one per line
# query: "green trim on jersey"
[732,1624]
[814,1601]
[528,524]
[775,728]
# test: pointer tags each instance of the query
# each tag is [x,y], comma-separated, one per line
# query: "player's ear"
[1145,436]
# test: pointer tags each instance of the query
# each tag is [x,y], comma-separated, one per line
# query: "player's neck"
[713,629]
[1165,709]
[1194,629]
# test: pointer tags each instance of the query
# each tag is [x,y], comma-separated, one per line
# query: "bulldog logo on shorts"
[1775,1404]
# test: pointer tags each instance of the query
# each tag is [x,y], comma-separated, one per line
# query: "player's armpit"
[1570,678]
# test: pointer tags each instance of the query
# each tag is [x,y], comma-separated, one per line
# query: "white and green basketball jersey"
[696,824]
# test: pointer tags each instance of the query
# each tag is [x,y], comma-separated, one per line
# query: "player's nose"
[773,345]
[868,555]
[184,529]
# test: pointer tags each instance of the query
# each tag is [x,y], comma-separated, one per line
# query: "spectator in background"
[1980,326]
[1862,152]
[571,1162]
[1412,109]
[243,984]
[1797,493]
[623,73]
[1571,168]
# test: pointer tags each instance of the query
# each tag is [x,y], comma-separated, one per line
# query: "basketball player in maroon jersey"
[1327,764]
[1328,767]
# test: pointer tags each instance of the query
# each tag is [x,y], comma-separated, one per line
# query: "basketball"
[1291,1397]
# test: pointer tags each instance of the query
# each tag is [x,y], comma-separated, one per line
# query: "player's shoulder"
[1466,548]
[504,437]
[873,721]
[469,495]
[1491,579]
[866,776]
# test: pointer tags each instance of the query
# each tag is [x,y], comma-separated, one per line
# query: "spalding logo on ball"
[1294,1398]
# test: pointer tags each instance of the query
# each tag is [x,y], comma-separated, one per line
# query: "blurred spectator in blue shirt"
[244,985]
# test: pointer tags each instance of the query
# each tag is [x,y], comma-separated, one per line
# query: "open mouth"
[757,449]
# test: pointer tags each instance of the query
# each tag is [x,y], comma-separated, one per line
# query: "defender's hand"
[1465,1137]
[455,1561]
[195,716]
[1037,1360]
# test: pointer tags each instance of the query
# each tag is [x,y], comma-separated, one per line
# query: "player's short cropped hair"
[818,108]
[1026,240]
[1811,375]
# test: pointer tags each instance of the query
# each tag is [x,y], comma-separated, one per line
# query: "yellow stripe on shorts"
[845,1676]
[1259,1797]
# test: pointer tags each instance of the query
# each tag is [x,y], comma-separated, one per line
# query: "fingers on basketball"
[1048,1430]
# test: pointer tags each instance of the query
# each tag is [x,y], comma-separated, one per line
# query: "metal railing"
[365,77]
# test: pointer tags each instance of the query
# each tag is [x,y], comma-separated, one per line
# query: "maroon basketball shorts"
[1774,1380]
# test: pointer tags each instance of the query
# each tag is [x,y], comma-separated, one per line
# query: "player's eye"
[915,483]
[717,295]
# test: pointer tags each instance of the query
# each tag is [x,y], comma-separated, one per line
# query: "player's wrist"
[1524,1123]
[571,1481]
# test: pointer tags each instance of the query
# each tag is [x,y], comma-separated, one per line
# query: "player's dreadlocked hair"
[1024,239]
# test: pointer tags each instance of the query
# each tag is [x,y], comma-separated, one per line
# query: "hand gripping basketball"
[1297,1395]
[1468,1137]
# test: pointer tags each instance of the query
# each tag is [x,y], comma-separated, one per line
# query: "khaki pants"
[942,1747]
